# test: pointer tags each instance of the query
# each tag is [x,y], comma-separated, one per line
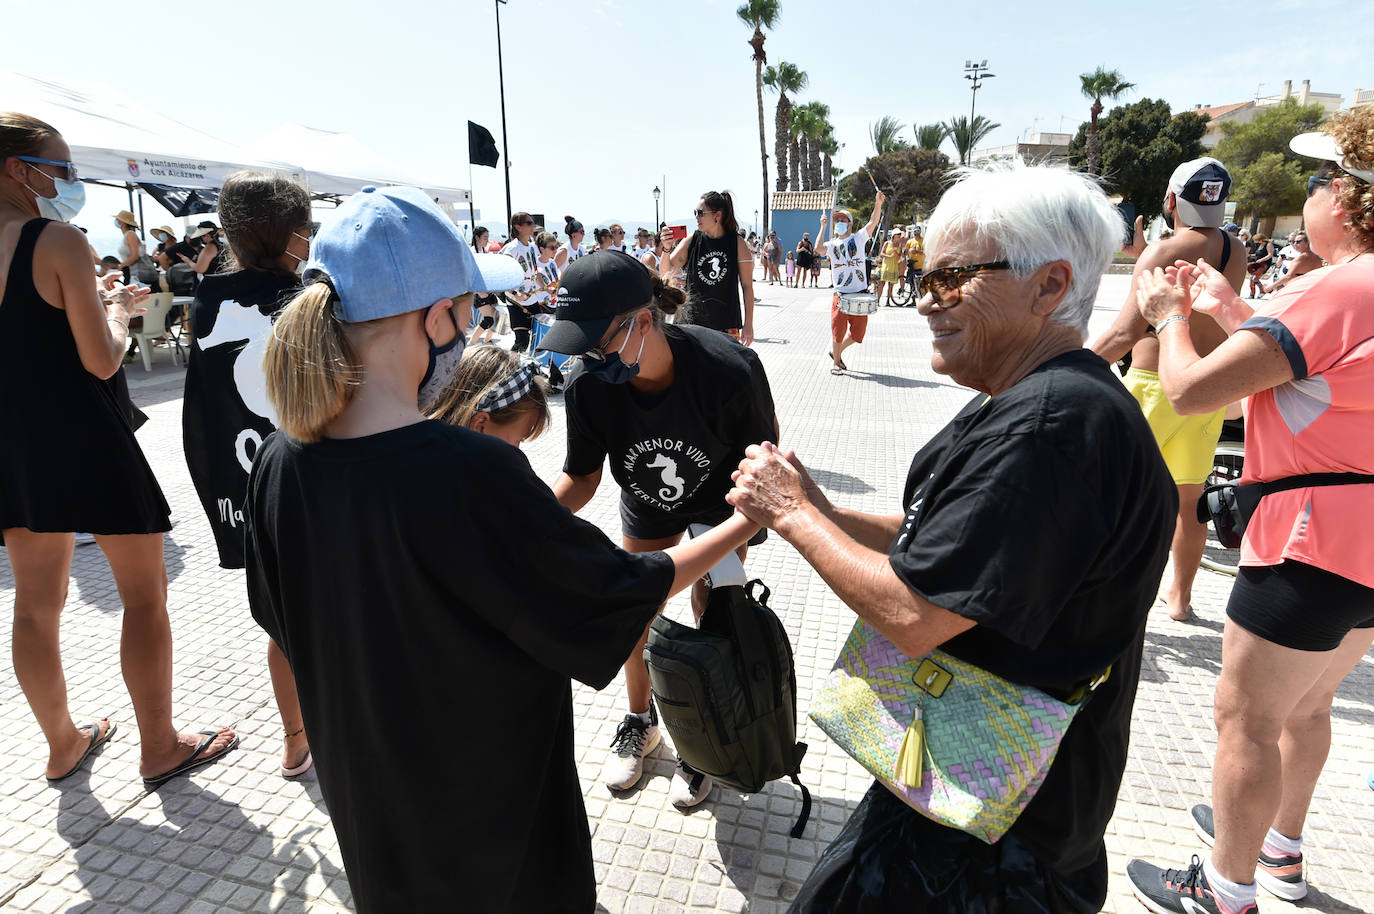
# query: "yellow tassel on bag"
[911,757]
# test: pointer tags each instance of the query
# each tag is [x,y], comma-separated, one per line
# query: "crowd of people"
[1030,541]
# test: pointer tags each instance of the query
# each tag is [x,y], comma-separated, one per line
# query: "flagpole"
[501,77]
[472,213]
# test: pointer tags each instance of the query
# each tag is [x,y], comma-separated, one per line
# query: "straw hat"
[168,231]
[127,218]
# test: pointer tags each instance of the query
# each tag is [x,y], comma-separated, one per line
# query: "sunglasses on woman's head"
[1317,181]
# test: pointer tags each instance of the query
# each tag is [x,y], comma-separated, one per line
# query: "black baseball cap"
[592,292]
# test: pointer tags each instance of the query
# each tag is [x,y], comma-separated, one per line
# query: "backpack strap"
[805,816]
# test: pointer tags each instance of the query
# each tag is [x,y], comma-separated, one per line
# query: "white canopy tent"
[339,164]
[114,139]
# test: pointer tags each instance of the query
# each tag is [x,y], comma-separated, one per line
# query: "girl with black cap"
[363,525]
[674,408]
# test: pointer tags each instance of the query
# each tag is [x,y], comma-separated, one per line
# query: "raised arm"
[877,216]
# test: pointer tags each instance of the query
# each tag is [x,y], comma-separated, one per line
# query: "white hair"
[1032,215]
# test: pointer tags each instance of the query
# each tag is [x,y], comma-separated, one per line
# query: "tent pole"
[142,229]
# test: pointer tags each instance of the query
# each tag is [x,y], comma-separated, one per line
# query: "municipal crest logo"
[1211,191]
[133,167]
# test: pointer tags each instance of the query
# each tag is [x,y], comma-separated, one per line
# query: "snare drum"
[858,303]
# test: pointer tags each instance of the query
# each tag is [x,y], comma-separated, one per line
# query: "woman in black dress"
[226,413]
[69,461]
[806,259]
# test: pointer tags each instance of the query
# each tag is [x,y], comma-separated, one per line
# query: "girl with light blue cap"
[435,698]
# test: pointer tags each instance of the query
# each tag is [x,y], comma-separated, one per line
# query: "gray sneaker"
[1281,876]
[633,740]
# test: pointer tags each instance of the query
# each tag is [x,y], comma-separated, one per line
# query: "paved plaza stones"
[237,837]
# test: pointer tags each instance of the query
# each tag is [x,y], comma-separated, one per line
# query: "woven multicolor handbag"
[954,742]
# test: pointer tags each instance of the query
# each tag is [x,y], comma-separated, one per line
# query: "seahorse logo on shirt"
[711,267]
[236,323]
[673,483]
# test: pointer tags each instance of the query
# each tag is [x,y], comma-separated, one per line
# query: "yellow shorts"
[1188,443]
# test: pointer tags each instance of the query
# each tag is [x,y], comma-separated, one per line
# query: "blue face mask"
[612,370]
[443,365]
[71,197]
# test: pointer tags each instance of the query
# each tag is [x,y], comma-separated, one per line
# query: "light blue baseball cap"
[391,250]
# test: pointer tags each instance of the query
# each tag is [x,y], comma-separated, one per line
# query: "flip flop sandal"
[193,761]
[300,769]
[96,742]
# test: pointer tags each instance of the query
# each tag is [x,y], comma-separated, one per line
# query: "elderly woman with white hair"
[1029,543]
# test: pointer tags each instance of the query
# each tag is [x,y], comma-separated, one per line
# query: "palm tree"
[760,15]
[803,128]
[811,121]
[966,135]
[886,135]
[829,147]
[782,79]
[1097,85]
[929,136]
[795,162]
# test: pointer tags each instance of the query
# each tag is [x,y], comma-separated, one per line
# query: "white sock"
[646,716]
[1282,843]
[1231,896]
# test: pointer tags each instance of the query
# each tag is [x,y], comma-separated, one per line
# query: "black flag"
[482,146]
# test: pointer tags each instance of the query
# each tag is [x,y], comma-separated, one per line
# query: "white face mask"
[842,227]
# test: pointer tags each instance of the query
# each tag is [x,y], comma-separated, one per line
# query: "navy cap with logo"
[1200,189]
[591,293]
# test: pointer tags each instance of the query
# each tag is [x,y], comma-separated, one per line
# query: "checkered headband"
[510,390]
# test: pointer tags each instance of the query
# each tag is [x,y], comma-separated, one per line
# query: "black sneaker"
[1281,876]
[1177,891]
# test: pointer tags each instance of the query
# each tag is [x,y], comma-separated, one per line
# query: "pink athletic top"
[1320,422]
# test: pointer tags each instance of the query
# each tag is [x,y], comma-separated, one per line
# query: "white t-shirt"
[848,269]
[528,256]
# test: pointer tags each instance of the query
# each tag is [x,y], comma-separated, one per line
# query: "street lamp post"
[755,226]
[657,194]
[976,72]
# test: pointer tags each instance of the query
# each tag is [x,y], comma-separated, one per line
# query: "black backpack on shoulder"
[727,692]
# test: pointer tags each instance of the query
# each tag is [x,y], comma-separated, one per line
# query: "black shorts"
[642,522]
[1299,606]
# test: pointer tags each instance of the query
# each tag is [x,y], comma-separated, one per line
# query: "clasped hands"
[772,486]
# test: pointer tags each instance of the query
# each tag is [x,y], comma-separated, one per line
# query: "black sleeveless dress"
[69,461]
[712,283]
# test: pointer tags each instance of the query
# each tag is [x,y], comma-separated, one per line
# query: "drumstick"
[871,181]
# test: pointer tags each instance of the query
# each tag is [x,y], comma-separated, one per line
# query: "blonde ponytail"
[311,371]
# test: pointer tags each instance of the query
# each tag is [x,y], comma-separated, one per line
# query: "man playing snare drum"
[850,307]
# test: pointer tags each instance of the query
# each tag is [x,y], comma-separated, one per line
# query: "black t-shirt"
[226,414]
[673,453]
[182,247]
[713,282]
[438,701]
[1044,515]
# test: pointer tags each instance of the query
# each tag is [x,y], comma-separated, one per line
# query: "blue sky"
[608,98]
